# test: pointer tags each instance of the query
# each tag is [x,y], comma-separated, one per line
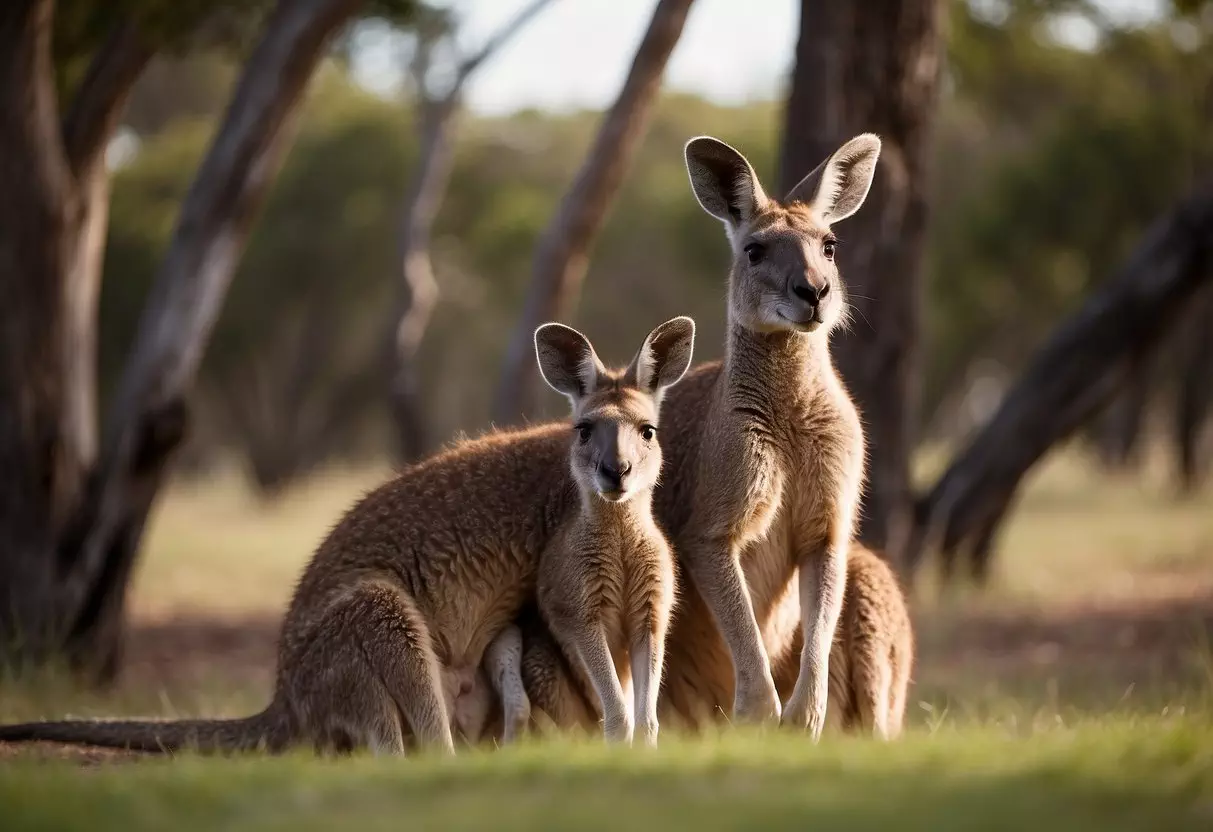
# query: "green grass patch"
[1129,774]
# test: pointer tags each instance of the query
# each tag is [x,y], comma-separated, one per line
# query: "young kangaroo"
[606,579]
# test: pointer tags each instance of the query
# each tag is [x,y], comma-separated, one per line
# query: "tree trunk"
[874,67]
[419,292]
[562,255]
[1194,403]
[148,418]
[40,466]
[91,120]
[1076,373]
[1118,431]
[70,540]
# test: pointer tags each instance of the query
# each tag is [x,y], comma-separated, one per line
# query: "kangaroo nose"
[614,472]
[807,292]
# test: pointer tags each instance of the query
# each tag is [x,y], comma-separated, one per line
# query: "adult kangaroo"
[764,465]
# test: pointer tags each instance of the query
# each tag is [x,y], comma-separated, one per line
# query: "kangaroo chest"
[788,470]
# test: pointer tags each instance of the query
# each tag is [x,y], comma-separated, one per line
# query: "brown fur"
[873,655]
[770,484]
[427,569]
[606,579]
[870,662]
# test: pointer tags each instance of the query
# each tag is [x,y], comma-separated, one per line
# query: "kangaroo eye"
[754,252]
[828,248]
[583,433]
[648,432]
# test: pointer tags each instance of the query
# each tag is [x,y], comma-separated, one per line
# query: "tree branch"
[102,94]
[562,254]
[419,289]
[1075,374]
[499,38]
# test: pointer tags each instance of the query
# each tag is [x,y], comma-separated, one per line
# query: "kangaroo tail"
[267,731]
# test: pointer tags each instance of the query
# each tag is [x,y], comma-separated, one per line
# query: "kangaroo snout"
[611,474]
[810,292]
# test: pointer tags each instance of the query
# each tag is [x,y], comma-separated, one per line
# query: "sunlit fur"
[794,241]
[870,663]
[606,578]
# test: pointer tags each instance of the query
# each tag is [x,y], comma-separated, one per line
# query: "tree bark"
[52,233]
[562,254]
[37,211]
[71,521]
[874,67]
[1194,404]
[419,289]
[91,120]
[1118,431]
[1074,374]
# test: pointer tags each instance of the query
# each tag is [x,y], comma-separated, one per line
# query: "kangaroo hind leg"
[388,631]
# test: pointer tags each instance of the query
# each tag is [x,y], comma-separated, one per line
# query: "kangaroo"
[872,656]
[764,462]
[425,571]
[606,579]
[389,618]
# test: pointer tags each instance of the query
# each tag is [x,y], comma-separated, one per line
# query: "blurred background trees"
[1044,136]
[1049,164]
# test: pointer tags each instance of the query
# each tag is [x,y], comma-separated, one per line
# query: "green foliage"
[1051,162]
[328,239]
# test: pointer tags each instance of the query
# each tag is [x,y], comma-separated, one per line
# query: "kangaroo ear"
[567,360]
[723,181]
[840,184]
[664,356]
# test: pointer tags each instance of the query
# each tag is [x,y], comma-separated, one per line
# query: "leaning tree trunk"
[69,539]
[1072,377]
[874,67]
[562,254]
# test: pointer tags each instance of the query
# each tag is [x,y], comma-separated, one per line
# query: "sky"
[575,53]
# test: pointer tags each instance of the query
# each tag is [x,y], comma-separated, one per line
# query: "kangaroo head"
[784,276]
[614,452]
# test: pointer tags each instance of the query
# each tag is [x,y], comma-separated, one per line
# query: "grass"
[1155,774]
[1076,693]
